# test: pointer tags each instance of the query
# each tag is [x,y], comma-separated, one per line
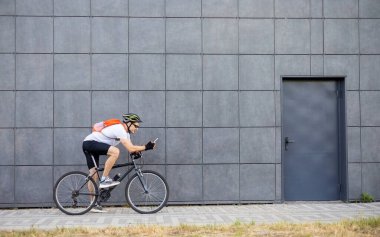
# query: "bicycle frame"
[138,171]
[119,166]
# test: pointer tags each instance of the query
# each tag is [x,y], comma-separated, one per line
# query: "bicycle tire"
[141,201]
[71,189]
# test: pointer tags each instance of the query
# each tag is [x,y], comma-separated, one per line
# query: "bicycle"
[146,191]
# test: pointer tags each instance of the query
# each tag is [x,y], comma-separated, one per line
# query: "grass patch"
[347,228]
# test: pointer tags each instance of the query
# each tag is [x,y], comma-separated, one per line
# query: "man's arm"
[130,147]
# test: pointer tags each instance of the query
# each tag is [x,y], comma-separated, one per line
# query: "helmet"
[131,118]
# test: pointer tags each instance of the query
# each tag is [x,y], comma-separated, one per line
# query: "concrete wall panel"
[340,8]
[72,35]
[72,109]
[220,36]
[371,179]
[109,8]
[34,146]
[7,7]
[221,145]
[190,105]
[146,35]
[34,72]
[68,146]
[34,7]
[183,8]
[7,146]
[183,72]
[147,8]
[256,72]
[369,8]
[292,8]
[34,108]
[369,33]
[109,35]
[292,36]
[72,7]
[146,72]
[220,182]
[354,181]
[257,182]
[257,145]
[7,34]
[220,72]
[369,72]
[224,104]
[72,72]
[7,72]
[352,108]
[183,35]
[257,108]
[30,187]
[316,36]
[341,36]
[7,180]
[353,144]
[256,36]
[219,8]
[369,103]
[184,145]
[256,8]
[316,65]
[370,138]
[188,185]
[109,72]
[7,108]
[34,34]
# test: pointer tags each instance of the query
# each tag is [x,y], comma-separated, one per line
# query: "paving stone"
[194,215]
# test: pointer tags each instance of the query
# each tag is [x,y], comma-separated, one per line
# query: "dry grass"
[360,227]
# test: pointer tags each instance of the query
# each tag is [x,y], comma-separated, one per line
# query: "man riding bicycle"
[105,142]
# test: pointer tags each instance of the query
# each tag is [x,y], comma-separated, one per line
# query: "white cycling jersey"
[109,134]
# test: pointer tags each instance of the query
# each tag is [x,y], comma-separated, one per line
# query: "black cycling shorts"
[95,149]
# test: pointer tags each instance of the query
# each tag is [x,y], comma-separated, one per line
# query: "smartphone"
[155,140]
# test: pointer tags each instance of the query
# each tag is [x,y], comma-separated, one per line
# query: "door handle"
[287,141]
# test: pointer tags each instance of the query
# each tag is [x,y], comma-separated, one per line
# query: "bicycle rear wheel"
[150,199]
[75,193]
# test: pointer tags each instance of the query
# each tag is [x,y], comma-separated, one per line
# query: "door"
[311,140]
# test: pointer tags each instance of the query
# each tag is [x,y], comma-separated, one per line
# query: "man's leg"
[113,155]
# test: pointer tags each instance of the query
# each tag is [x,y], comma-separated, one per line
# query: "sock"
[103,178]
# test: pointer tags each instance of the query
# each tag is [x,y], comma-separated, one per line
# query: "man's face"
[134,127]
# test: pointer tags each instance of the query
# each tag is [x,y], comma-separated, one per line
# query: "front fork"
[140,175]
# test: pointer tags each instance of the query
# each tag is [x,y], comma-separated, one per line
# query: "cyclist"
[105,142]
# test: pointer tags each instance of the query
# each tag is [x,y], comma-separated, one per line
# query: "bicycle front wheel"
[75,193]
[147,193]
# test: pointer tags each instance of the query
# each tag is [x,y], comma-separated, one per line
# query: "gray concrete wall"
[203,74]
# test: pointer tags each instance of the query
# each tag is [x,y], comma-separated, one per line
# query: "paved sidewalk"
[198,215]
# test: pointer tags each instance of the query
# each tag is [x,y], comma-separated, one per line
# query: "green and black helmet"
[131,118]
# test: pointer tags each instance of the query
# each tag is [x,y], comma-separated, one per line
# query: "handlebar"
[136,155]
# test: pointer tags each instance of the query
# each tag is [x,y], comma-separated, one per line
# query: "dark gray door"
[310,140]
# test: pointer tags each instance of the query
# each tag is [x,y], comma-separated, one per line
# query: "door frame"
[342,138]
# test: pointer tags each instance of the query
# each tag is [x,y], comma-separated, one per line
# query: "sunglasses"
[136,126]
